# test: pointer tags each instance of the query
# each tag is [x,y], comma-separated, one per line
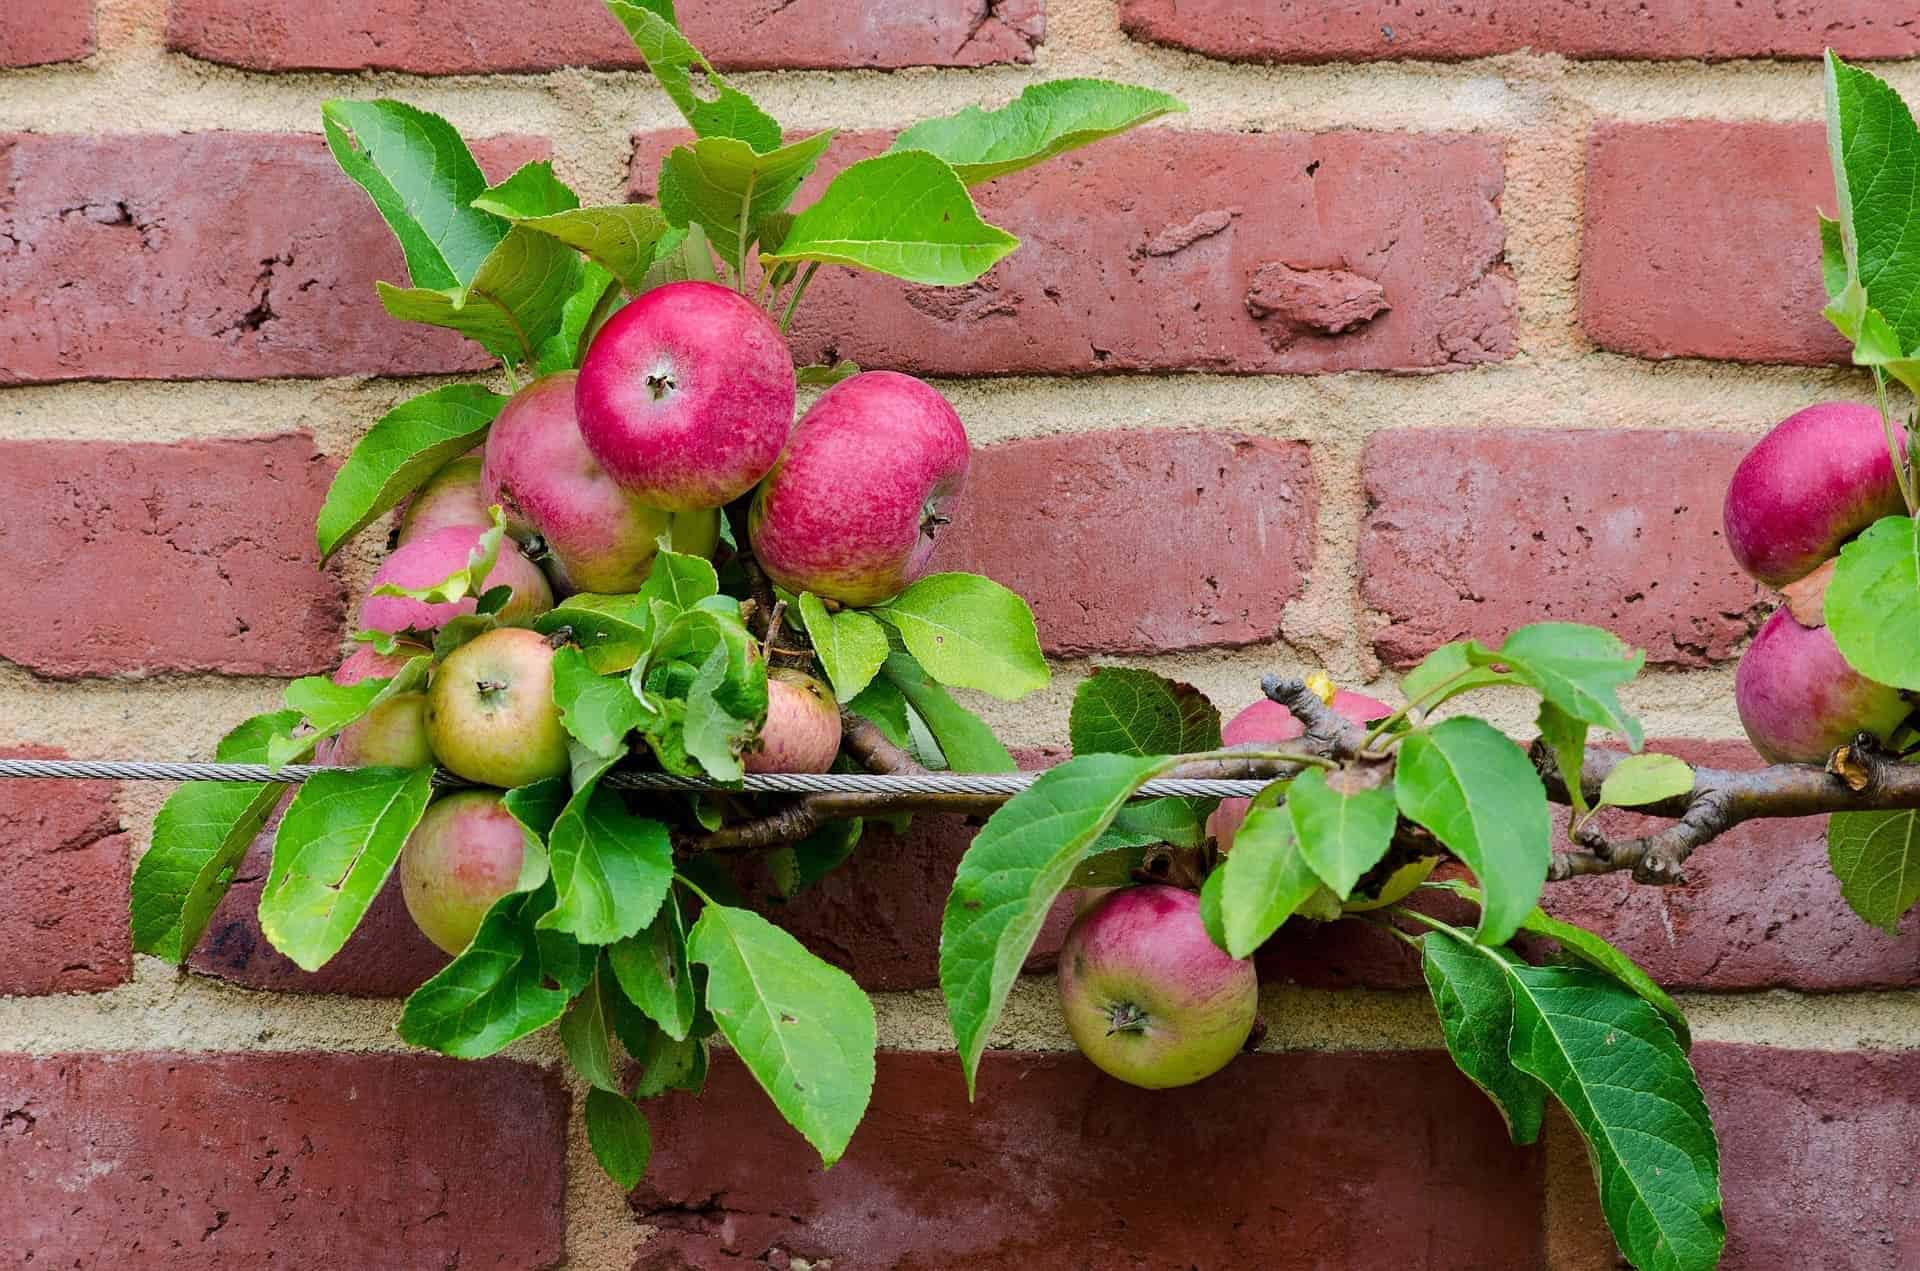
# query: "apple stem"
[1902,473]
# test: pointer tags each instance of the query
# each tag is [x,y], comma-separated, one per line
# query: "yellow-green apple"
[450,497]
[802,732]
[490,711]
[1798,698]
[1270,721]
[436,557]
[392,734]
[464,855]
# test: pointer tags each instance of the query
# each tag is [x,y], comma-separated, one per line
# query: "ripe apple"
[464,855]
[1798,698]
[490,711]
[1147,996]
[392,734]
[450,497]
[426,561]
[1268,720]
[851,509]
[802,732]
[598,537]
[1820,477]
[686,396]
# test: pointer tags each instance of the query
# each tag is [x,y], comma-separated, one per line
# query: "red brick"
[203,256]
[1476,532]
[1353,1160]
[1376,30]
[1140,542]
[1701,241]
[197,556]
[33,32]
[447,37]
[299,1160]
[63,912]
[1124,270]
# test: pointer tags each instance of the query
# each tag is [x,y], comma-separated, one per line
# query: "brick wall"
[1592,225]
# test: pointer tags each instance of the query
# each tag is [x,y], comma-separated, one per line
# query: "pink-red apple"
[464,855]
[490,711]
[1267,720]
[1798,698]
[1820,477]
[439,555]
[598,537]
[802,732]
[392,734]
[450,497]
[1147,996]
[686,396]
[851,510]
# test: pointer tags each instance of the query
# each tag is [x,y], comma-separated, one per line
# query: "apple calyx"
[660,383]
[1125,1017]
[489,688]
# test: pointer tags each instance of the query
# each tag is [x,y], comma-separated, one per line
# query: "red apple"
[851,510]
[686,396]
[490,711]
[464,855]
[599,537]
[1819,478]
[450,497]
[426,561]
[1268,720]
[1147,996]
[1798,698]
[802,732]
[392,734]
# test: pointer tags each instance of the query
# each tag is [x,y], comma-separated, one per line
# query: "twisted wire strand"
[988,783]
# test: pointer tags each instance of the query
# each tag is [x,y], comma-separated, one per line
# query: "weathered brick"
[33,32]
[1476,532]
[196,556]
[401,1161]
[1124,270]
[1058,1166]
[1700,241]
[1140,542]
[63,911]
[210,255]
[446,37]
[1376,30]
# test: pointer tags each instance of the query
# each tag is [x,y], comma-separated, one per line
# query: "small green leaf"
[651,969]
[1876,856]
[335,847]
[1873,602]
[679,580]
[970,632]
[612,631]
[611,869]
[328,707]
[705,687]
[586,1034]
[598,710]
[1643,779]
[618,1134]
[727,188]
[513,303]
[824,376]
[532,190]
[1446,673]
[852,646]
[1123,711]
[563,350]
[968,744]
[803,1028]
[490,996]
[1567,738]
[1475,1004]
[1045,120]
[1343,826]
[905,214]
[470,579]
[536,807]
[407,445]
[621,238]
[1266,877]
[1575,667]
[715,108]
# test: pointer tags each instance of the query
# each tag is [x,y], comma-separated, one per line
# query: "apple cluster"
[1819,478]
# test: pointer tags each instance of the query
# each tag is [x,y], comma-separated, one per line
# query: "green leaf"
[905,214]
[969,745]
[598,710]
[532,190]
[621,238]
[1123,711]
[513,303]
[536,807]
[666,1064]
[970,632]
[611,869]
[490,996]
[328,707]
[1475,790]
[1875,151]
[1045,120]
[803,1028]
[851,645]
[336,845]
[1567,738]
[586,1034]
[825,376]
[1008,879]
[1343,826]
[1266,877]
[679,580]
[1446,673]
[1181,822]
[1873,602]
[563,349]
[714,109]
[1475,1004]
[1613,1063]
[612,631]
[652,971]
[1575,667]
[1642,779]
[705,687]
[618,1134]
[423,180]
[1876,856]
[407,445]
[723,185]
[199,839]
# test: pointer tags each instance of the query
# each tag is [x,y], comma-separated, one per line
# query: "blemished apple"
[450,497]
[490,711]
[1147,996]
[1798,698]
[392,734]
[1820,477]
[464,855]
[429,560]
[1268,720]
[802,732]
[598,537]
[852,509]
[686,396]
